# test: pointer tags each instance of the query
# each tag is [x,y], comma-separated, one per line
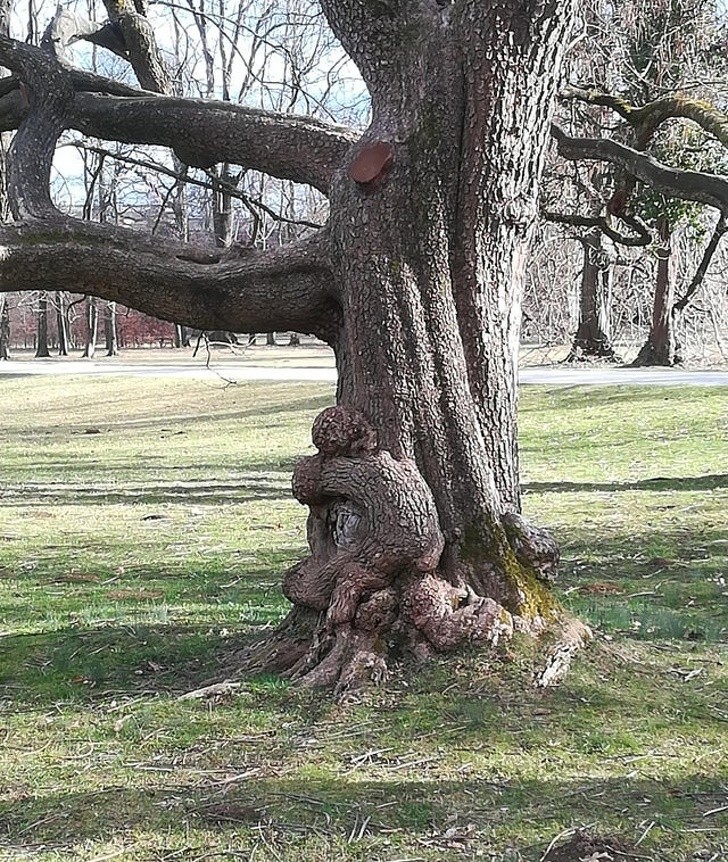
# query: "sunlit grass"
[144,526]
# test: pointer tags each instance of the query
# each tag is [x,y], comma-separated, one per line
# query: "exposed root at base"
[573,636]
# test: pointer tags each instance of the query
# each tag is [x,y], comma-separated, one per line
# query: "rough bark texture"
[416,541]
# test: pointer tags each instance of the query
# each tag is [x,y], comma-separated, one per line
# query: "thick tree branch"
[654,114]
[687,185]
[203,133]
[137,37]
[288,288]
[382,36]
[48,94]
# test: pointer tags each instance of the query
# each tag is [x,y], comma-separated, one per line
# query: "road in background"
[316,363]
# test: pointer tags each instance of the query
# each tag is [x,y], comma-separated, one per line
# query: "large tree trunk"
[591,340]
[414,528]
[661,347]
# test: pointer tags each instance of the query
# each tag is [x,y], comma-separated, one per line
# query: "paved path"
[227,370]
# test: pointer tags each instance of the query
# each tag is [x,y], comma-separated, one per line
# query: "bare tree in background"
[656,48]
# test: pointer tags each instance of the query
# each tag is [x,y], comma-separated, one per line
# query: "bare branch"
[654,114]
[203,132]
[604,223]
[702,269]
[47,91]
[687,185]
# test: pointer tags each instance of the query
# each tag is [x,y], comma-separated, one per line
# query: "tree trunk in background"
[270,339]
[661,347]
[92,327]
[41,349]
[62,323]
[4,327]
[222,208]
[592,335]
[110,332]
[181,336]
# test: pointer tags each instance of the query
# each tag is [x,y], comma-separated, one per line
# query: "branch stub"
[371,163]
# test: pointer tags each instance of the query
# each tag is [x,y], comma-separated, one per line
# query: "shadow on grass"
[210,493]
[83,666]
[579,396]
[171,424]
[659,483]
[491,812]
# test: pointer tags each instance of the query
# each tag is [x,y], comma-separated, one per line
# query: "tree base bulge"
[381,580]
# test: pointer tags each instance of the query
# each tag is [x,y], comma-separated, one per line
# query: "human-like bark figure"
[416,541]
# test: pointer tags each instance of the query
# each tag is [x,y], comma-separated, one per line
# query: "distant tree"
[41,343]
[4,327]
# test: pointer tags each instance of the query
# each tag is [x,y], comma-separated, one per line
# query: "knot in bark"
[342,431]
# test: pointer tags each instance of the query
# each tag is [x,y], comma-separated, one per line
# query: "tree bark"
[181,336]
[414,528]
[661,347]
[62,323]
[591,340]
[4,327]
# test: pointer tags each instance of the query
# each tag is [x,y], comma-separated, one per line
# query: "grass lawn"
[144,526]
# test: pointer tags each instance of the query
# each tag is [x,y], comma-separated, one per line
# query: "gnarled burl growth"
[376,582]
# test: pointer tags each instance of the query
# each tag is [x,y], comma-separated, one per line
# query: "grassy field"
[144,525]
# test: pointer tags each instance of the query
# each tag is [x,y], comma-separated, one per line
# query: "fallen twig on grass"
[218,688]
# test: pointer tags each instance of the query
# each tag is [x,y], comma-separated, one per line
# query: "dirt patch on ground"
[584,847]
